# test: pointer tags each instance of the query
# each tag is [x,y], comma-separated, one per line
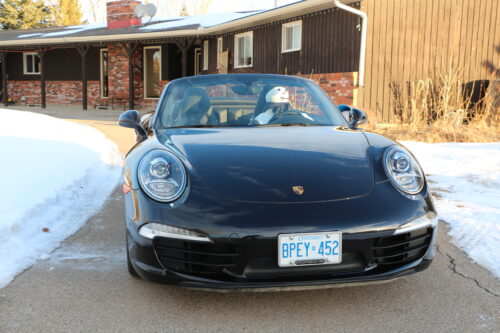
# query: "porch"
[113,76]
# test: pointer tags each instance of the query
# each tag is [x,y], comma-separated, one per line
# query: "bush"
[443,109]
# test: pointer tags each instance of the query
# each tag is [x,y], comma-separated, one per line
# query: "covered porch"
[111,75]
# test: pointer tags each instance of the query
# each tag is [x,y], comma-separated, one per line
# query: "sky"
[94,11]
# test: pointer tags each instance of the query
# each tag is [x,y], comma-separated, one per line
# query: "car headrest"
[195,100]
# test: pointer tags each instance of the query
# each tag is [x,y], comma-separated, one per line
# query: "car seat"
[196,109]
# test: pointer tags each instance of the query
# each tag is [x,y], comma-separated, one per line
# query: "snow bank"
[56,174]
[465,177]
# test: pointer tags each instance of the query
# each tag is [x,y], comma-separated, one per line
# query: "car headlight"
[162,175]
[403,170]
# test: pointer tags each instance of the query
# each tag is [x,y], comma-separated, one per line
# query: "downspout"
[364,29]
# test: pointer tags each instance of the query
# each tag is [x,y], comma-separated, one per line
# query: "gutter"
[364,29]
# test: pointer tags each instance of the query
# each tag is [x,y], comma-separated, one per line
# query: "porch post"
[184,61]
[131,48]
[83,50]
[184,46]
[3,57]
[41,55]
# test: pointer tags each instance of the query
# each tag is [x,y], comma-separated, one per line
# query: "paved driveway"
[84,286]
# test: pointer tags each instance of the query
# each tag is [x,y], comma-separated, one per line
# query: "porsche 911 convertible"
[260,181]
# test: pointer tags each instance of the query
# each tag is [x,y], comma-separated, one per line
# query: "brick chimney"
[120,14]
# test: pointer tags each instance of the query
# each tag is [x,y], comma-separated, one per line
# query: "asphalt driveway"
[84,286]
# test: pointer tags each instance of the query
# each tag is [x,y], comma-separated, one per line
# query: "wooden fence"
[417,39]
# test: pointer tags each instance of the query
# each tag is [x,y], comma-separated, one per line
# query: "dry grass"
[438,110]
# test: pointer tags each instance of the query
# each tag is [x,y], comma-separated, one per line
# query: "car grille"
[254,260]
[398,249]
[202,259]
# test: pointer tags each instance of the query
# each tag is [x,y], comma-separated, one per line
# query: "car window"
[245,100]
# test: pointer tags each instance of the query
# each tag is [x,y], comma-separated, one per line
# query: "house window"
[205,55]
[152,71]
[291,36]
[31,62]
[219,50]
[243,50]
[104,73]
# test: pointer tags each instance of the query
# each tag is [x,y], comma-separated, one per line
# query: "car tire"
[130,268]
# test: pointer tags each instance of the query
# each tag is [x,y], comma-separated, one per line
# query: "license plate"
[323,248]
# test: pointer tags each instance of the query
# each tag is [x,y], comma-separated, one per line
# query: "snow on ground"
[55,174]
[465,178]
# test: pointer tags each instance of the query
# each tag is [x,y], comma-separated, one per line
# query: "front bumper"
[251,262]
[243,254]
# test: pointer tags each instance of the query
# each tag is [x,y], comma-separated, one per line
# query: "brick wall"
[339,86]
[118,72]
[70,93]
[57,92]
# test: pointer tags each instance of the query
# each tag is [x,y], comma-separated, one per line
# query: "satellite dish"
[145,10]
[150,9]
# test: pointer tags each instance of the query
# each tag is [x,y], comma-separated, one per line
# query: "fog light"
[150,230]
[428,220]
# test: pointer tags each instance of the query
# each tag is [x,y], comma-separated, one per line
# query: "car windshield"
[246,100]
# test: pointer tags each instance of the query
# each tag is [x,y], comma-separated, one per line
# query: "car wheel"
[131,269]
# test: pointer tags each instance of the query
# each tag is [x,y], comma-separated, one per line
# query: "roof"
[170,27]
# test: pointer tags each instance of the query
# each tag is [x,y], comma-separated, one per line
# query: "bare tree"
[194,7]
[186,7]
[96,9]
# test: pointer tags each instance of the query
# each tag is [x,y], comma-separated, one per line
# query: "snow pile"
[204,21]
[55,175]
[465,177]
[74,29]
[67,30]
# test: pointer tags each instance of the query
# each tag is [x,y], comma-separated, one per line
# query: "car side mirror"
[131,119]
[357,117]
[354,117]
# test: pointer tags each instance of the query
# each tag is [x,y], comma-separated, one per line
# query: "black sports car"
[260,181]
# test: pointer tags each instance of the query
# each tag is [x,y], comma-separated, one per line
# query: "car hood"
[275,164]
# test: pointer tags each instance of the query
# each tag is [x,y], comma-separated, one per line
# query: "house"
[107,64]
[127,61]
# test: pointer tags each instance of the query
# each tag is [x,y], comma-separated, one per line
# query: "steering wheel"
[287,113]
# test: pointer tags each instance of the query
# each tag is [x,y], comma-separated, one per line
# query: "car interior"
[231,106]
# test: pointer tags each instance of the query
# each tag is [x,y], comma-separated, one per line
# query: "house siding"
[410,40]
[330,44]
[60,65]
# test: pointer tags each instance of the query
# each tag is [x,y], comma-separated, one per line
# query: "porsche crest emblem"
[299,190]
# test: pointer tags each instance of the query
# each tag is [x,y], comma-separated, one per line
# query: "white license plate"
[309,249]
